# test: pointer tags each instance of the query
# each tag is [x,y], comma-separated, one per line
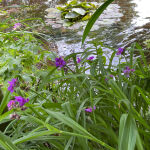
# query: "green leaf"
[142,54]
[67,23]
[80,11]
[87,17]
[127,133]
[4,102]
[116,89]
[61,8]
[139,142]
[5,115]
[32,136]
[71,15]
[68,143]
[52,105]
[6,143]
[94,17]
[76,127]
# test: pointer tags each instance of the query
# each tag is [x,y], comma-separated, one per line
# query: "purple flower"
[21,100]
[111,76]
[78,60]
[127,71]
[16,25]
[12,84]
[59,62]
[120,51]
[90,58]
[17,103]
[106,79]
[132,70]
[88,109]
[11,104]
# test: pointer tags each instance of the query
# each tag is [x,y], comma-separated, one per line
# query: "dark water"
[124,22]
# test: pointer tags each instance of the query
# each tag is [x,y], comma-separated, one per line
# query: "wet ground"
[124,22]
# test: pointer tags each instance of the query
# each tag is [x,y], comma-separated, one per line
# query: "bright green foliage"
[75,10]
[147,43]
[55,117]
[56,112]
[6,143]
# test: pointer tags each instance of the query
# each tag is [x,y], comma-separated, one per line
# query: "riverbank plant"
[83,101]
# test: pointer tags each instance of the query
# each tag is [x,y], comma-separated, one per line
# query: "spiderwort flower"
[17,25]
[91,58]
[106,79]
[17,103]
[132,70]
[78,60]
[111,76]
[11,104]
[21,100]
[120,51]
[12,84]
[127,71]
[59,62]
[90,109]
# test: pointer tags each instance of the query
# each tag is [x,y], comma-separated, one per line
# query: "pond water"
[124,22]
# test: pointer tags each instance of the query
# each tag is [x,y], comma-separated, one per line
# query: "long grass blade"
[94,17]
[6,143]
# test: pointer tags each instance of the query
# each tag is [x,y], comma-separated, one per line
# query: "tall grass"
[56,116]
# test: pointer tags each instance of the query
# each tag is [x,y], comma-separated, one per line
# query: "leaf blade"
[94,17]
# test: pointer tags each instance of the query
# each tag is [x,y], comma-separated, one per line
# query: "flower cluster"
[90,109]
[59,62]
[18,102]
[21,100]
[120,51]
[16,26]
[12,84]
[11,104]
[127,71]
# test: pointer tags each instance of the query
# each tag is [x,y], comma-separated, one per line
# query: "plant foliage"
[80,102]
[74,11]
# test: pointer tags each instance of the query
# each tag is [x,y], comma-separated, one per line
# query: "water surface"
[124,22]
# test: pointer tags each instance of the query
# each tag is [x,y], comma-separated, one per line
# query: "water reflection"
[119,26]
[143,12]
[26,2]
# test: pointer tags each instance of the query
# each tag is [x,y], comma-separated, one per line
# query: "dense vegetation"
[79,102]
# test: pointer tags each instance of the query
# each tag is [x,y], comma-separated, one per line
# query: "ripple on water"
[122,23]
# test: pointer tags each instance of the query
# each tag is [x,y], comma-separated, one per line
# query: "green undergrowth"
[57,115]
